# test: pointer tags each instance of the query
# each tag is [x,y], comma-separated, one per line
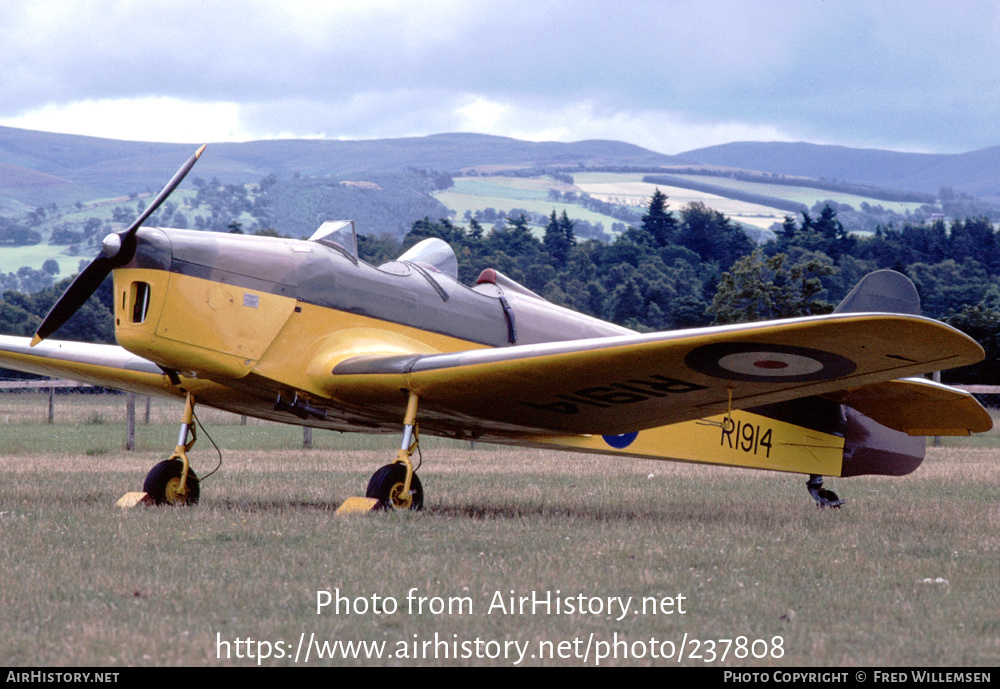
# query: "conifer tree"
[658,221]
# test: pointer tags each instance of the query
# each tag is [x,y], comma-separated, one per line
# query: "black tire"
[386,485]
[163,480]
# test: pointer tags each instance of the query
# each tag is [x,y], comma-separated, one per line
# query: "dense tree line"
[497,219]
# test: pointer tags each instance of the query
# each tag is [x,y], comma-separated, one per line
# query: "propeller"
[117,249]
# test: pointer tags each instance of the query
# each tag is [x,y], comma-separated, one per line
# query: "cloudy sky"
[669,75]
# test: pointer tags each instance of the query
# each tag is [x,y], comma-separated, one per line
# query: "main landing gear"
[171,482]
[396,485]
[822,496]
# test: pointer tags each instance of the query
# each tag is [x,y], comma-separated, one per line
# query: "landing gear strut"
[822,496]
[395,485]
[172,482]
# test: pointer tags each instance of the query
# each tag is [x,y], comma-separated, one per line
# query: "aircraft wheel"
[163,484]
[386,486]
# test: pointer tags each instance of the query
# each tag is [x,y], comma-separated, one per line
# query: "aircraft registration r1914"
[304,332]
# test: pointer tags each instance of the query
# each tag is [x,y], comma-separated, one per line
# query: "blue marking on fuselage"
[620,442]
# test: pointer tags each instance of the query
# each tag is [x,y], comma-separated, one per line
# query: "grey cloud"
[891,73]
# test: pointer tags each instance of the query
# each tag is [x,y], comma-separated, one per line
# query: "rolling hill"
[37,168]
[80,167]
[976,173]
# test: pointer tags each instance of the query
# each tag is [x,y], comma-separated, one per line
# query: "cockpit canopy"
[433,253]
[339,234]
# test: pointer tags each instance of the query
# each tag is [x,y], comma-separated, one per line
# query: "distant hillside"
[81,167]
[976,173]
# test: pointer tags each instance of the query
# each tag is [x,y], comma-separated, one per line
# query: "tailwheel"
[387,485]
[163,484]
[822,496]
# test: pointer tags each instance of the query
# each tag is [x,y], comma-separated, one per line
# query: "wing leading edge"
[105,365]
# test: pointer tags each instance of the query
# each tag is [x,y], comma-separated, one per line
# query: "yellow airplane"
[304,332]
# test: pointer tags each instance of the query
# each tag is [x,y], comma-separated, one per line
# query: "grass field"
[34,256]
[805,195]
[506,193]
[905,574]
[628,189]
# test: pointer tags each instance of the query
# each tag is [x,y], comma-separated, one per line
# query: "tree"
[442,229]
[516,238]
[758,288]
[122,215]
[559,238]
[658,222]
[567,225]
[626,303]
[711,235]
[838,240]
[18,235]
[687,311]
[15,320]
[825,234]
[93,322]
[948,286]
[982,323]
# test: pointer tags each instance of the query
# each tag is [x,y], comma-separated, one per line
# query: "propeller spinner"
[116,250]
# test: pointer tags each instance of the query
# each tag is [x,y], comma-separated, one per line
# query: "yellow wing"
[604,386]
[105,365]
[623,384]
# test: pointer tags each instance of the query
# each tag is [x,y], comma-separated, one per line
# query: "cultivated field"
[806,195]
[905,574]
[506,193]
[628,189]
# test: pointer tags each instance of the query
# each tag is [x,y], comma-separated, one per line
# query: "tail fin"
[884,291]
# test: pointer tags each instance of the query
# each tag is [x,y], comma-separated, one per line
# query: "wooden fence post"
[130,422]
[937,379]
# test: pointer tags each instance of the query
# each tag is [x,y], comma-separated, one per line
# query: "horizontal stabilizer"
[917,406]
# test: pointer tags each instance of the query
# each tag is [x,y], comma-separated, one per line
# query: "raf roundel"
[763,363]
[620,442]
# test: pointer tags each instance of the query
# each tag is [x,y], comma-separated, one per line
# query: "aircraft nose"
[153,249]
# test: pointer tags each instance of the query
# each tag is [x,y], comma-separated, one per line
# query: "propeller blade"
[164,193]
[85,284]
[113,255]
